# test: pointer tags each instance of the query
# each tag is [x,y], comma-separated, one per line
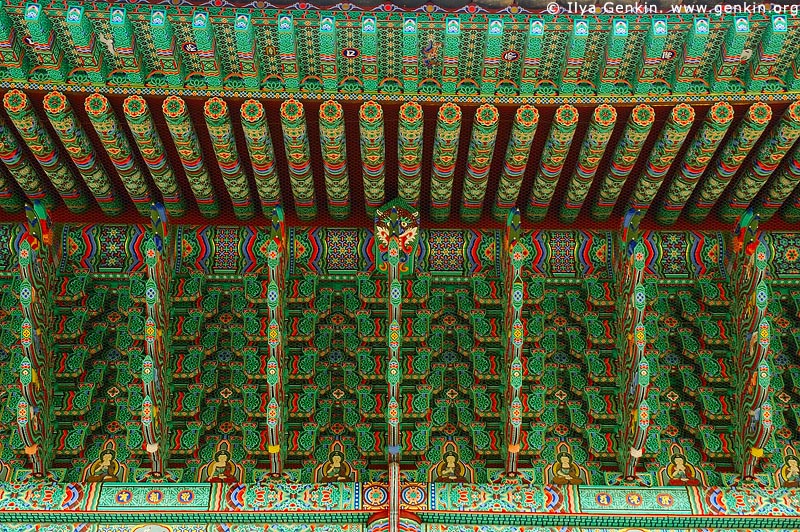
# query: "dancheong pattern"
[678,54]
[430,267]
[218,406]
[457,77]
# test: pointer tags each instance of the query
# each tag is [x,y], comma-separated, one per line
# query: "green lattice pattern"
[336,328]
[340,61]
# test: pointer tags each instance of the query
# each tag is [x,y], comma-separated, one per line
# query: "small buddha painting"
[564,471]
[790,471]
[450,468]
[679,471]
[335,468]
[222,468]
[106,468]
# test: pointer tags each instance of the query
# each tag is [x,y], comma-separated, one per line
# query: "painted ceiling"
[573,118]
[335,314]
[575,317]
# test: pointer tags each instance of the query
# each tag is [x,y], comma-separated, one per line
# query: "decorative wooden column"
[116,145]
[396,237]
[729,161]
[334,158]
[409,152]
[768,157]
[553,158]
[479,161]
[753,414]
[23,172]
[633,370]
[190,154]
[625,155]
[665,150]
[445,155]
[780,188]
[44,150]
[513,258]
[594,147]
[695,161]
[277,259]
[146,137]
[74,138]
[262,154]
[220,129]
[155,373]
[298,158]
[517,153]
[37,268]
[373,154]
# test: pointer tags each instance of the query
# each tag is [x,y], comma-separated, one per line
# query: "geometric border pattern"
[589,506]
[457,252]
